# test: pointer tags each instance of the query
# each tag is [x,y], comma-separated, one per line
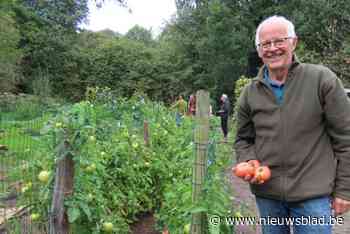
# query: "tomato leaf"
[73,214]
[86,210]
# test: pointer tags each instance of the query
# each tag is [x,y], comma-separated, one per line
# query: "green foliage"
[117,176]
[140,34]
[10,55]
[21,107]
[240,84]
[205,46]
[41,85]
[65,13]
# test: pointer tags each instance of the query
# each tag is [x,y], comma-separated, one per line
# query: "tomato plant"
[117,176]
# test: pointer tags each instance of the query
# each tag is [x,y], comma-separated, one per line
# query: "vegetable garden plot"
[117,176]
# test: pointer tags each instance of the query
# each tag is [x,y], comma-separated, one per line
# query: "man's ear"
[294,43]
[259,53]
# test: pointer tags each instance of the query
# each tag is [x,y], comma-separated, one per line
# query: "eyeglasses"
[277,43]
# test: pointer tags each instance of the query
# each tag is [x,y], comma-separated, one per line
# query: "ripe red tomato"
[262,174]
[243,169]
[255,163]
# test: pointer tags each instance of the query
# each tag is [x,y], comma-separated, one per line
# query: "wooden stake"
[63,187]
[146,133]
[201,138]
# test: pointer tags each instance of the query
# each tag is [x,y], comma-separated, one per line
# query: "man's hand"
[340,206]
[253,179]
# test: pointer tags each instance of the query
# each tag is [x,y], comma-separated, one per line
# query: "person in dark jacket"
[224,113]
[295,118]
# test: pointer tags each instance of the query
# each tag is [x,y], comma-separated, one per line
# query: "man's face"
[278,54]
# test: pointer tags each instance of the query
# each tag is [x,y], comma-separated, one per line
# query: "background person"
[192,105]
[295,118]
[181,107]
[224,113]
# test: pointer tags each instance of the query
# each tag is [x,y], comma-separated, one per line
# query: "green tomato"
[108,227]
[58,125]
[187,228]
[89,197]
[34,216]
[238,214]
[44,176]
[29,184]
[24,189]
[91,167]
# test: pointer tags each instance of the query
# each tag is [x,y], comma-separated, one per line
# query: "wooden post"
[63,187]
[201,137]
[145,133]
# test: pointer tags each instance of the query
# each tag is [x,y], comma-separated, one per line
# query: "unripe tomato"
[187,228]
[243,169]
[263,173]
[91,168]
[24,189]
[108,227]
[44,176]
[34,216]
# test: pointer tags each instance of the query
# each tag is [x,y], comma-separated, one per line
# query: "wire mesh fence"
[20,124]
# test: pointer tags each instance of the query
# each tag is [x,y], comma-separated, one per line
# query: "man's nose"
[273,46]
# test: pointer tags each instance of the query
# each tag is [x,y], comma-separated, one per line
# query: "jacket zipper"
[283,172]
[284,137]
[280,105]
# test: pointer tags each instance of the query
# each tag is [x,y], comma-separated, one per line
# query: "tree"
[138,33]
[10,55]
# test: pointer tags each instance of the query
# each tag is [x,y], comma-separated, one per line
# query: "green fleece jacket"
[305,140]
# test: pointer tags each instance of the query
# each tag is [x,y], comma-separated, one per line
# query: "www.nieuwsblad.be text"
[303,220]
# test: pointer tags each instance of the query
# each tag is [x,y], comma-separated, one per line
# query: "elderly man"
[295,118]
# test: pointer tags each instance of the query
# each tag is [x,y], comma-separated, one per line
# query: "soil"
[144,225]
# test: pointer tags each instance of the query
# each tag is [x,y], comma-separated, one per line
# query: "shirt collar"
[269,80]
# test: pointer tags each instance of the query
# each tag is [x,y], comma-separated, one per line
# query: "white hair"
[271,19]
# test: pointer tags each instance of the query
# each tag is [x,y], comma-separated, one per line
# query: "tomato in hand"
[255,163]
[262,174]
[243,169]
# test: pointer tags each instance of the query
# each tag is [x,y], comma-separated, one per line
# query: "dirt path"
[145,225]
[245,202]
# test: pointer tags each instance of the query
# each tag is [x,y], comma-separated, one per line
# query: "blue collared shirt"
[278,89]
